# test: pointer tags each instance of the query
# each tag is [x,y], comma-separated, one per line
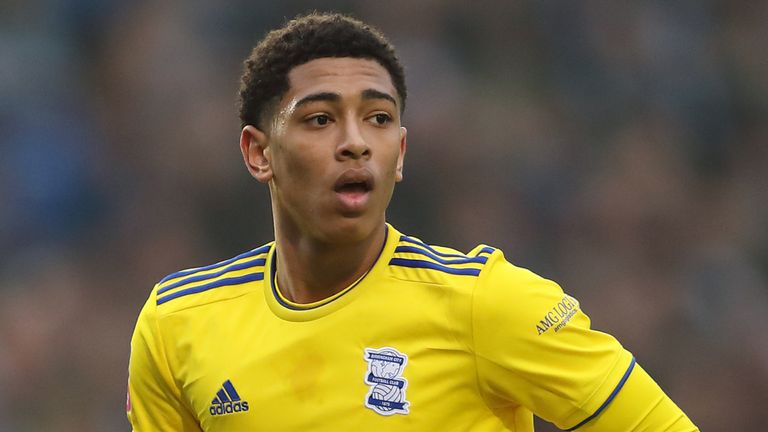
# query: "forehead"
[345,76]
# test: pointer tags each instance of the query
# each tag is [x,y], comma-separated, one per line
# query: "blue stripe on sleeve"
[215,284]
[486,249]
[412,240]
[463,260]
[402,262]
[182,273]
[243,265]
[610,397]
[405,238]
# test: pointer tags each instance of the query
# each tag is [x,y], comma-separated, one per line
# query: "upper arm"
[155,400]
[641,405]
[535,348]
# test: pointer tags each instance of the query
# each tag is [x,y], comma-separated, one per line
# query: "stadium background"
[620,149]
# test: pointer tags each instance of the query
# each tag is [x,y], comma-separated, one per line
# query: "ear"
[256,153]
[401,157]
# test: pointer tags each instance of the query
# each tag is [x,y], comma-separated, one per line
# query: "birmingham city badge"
[386,395]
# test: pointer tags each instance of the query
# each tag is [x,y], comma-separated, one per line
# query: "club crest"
[385,378]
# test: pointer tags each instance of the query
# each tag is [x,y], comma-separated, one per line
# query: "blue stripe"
[487,250]
[402,262]
[215,401]
[182,273]
[610,398]
[222,395]
[412,240]
[405,238]
[215,284]
[230,389]
[465,260]
[243,265]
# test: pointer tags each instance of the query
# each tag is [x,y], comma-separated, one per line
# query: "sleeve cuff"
[605,394]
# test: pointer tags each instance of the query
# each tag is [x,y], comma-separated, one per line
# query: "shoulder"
[483,277]
[415,260]
[211,283]
[483,267]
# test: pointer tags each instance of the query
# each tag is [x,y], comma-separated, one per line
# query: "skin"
[339,120]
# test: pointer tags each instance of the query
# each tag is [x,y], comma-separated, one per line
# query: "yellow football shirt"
[429,339]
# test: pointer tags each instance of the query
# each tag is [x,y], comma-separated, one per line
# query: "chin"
[352,229]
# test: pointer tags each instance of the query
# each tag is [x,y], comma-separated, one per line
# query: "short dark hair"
[305,38]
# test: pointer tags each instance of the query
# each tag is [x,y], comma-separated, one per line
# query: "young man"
[344,323]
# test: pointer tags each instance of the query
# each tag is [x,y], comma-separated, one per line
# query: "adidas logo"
[227,401]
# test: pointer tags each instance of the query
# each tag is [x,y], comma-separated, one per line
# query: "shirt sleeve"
[535,348]
[154,400]
[641,405]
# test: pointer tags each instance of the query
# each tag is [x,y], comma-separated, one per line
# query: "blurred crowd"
[620,149]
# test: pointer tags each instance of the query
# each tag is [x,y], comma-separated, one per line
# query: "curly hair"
[305,38]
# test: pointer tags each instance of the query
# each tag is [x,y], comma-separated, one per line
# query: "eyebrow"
[375,94]
[368,94]
[318,97]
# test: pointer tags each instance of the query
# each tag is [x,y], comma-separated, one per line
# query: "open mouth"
[354,181]
[354,187]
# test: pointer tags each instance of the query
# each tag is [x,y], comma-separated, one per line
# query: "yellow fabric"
[563,373]
[429,339]
[641,406]
[154,398]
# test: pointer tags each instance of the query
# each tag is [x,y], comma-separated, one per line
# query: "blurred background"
[619,149]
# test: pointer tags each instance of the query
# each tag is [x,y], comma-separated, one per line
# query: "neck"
[311,270]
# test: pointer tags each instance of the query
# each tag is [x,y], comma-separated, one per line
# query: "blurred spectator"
[619,149]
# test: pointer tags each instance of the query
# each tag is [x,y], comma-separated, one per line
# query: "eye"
[319,120]
[381,119]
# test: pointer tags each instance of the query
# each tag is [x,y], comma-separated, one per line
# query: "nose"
[353,144]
